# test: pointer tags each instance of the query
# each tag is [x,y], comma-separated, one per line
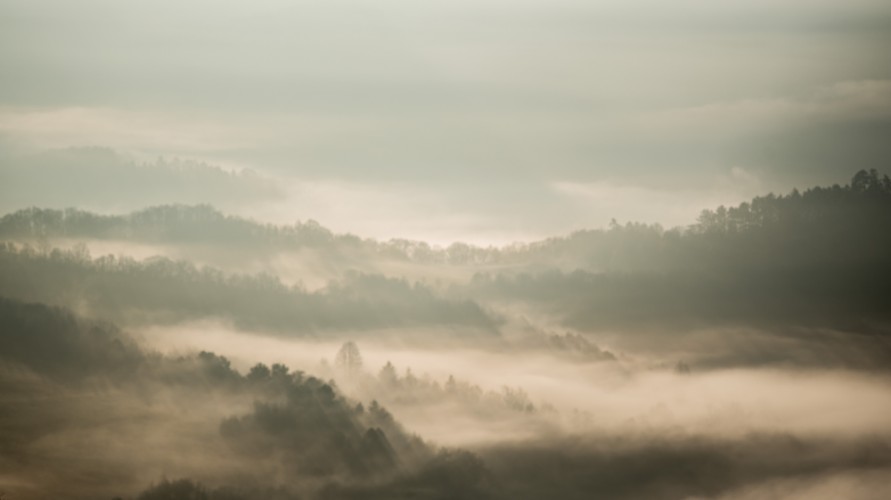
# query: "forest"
[556,368]
[445,250]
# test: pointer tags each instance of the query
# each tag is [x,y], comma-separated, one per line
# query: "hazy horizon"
[468,249]
[484,122]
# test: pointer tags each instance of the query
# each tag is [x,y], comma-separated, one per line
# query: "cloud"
[105,180]
[846,101]
[669,206]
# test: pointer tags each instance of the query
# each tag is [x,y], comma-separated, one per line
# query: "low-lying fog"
[180,353]
[628,395]
[307,268]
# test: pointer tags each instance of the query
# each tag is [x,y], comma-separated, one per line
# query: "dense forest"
[445,250]
[277,433]
[821,225]
[70,374]
[634,320]
[805,263]
[163,290]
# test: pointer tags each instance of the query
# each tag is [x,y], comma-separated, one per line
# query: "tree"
[388,376]
[259,372]
[866,181]
[682,368]
[348,358]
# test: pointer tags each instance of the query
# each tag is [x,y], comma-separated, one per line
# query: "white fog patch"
[599,398]
[607,200]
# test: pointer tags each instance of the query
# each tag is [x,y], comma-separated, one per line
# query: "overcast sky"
[478,120]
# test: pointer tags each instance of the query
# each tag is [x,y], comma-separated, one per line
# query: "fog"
[198,353]
[153,403]
[613,397]
[434,250]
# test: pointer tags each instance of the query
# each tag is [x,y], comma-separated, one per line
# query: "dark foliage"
[821,258]
[161,290]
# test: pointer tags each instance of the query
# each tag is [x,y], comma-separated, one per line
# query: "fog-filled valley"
[179,352]
[445,250]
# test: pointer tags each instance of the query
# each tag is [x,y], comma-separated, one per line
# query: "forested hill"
[818,258]
[843,224]
[168,224]
[821,258]
[162,290]
[837,225]
[271,425]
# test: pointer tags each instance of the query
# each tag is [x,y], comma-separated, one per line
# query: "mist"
[445,250]
[744,355]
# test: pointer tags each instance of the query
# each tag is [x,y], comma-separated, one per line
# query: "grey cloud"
[104,179]
[464,91]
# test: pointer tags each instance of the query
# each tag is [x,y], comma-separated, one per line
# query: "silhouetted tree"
[388,376]
[348,358]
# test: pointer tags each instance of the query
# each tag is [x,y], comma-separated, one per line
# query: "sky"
[486,121]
